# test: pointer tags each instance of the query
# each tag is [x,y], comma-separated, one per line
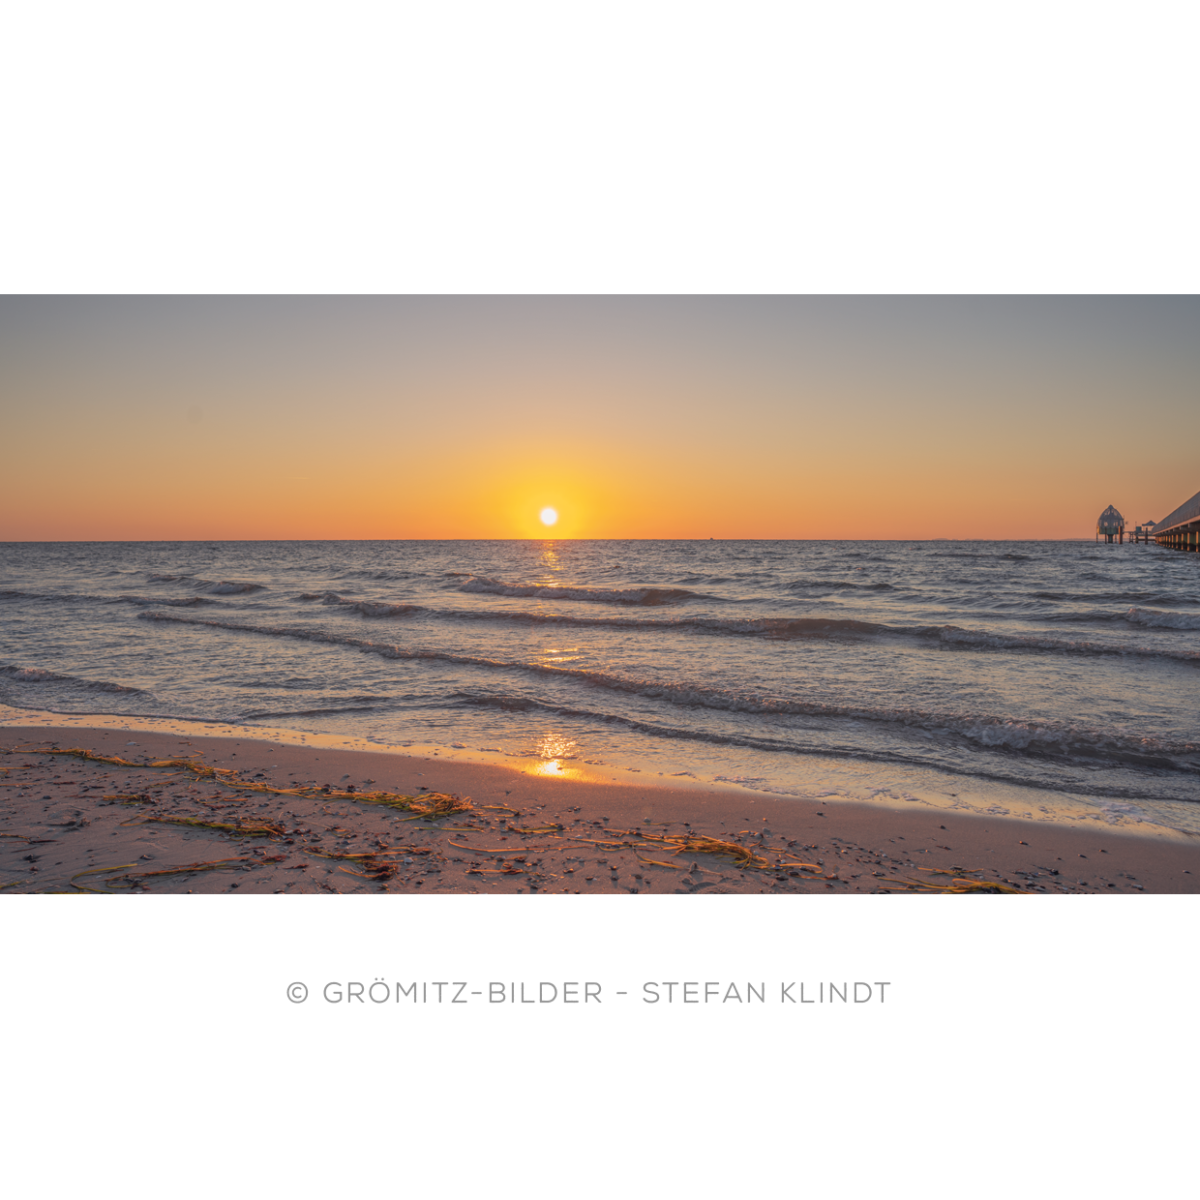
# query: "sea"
[1047,680]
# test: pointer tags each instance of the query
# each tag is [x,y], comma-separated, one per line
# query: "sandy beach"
[241,815]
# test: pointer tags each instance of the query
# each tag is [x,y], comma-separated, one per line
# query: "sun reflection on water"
[557,655]
[551,567]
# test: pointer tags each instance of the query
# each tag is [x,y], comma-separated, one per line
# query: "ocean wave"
[330,639]
[31,675]
[222,587]
[39,675]
[768,627]
[941,637]
[944,637]
[481,585]
[169,601]
[1077,745]
[1125,597]
[807,748]
[330,710]
[954,637]
[366,608]
[788,627]
[986,732]
[835,585]
[684,733]
[294,683]
[1144,618]
[385,576]
[227,587]
[85,598]
[1152,618]
[996,556]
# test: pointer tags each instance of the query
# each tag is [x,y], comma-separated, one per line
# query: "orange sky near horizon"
[322,418]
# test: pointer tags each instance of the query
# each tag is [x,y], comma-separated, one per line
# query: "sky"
[178,418]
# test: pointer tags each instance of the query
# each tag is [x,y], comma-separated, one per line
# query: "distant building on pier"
[1110,525]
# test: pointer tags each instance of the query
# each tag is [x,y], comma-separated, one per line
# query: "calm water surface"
[1020,678]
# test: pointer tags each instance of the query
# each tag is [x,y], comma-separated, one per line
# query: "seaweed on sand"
[377,864]
[431,807]
[690,843]
[238,828]
[958,885]
[132,879]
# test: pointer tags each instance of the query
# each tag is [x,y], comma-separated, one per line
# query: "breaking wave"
[83,598]
[1130,597]
[366,608]
[232,588]
[1157,619]
[170,601]
[955,637]
[223,587]
[352,704]
[31,675]
[836,585]
[386,576]
[649,596]
[772,627]
[37,675]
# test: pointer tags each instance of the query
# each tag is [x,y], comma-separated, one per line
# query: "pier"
[1180,530]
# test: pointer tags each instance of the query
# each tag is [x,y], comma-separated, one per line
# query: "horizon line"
[194,541]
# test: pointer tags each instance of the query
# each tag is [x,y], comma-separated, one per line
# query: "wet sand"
[69,824]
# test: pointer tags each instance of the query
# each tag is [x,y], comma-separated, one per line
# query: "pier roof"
[1188,511]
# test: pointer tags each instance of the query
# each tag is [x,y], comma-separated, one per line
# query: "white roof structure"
[1110,516]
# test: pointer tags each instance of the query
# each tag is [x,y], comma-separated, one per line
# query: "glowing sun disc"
[549,516]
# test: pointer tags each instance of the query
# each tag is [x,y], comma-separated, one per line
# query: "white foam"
[32,675]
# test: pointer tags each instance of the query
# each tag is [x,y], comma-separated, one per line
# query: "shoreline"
[299,816]
[1062,809]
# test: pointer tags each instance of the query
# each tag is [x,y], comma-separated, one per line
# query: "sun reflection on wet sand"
[553,754]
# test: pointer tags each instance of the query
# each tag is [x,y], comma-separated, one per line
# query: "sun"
[549,516]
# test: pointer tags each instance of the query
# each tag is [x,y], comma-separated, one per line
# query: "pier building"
[1110,525]
[1180,530]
